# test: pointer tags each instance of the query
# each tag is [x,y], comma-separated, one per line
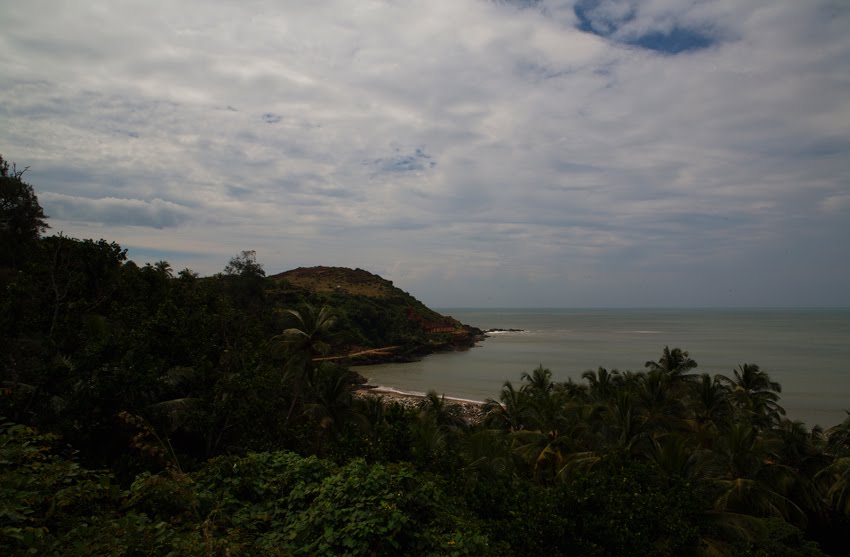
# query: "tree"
[710,407]
[756,395]
[748,477]
[510,412]
[602,383]
[675,362]
[245,282]
[311,334]
[539,382]
[22,220]
[164,268]
[448,416]
[245,265]
[332,402]
[661,409]
[834,479]
[306,340]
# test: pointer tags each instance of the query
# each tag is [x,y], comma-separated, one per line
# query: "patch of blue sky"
[675,40]
[415,162]
[591,20]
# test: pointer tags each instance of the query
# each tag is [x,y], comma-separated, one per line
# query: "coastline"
[472,410]
[805,351]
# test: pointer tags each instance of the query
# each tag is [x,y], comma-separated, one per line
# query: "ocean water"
[806,351]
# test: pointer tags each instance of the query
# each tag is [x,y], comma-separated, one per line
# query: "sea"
[806,350]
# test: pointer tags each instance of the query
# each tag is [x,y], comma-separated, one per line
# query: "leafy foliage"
[22,220]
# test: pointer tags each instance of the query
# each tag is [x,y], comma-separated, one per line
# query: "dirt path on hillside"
[385,351]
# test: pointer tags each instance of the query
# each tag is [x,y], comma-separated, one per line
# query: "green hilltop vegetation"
[148,411]
[373,314]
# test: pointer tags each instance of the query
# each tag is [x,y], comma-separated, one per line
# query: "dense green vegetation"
[148,412]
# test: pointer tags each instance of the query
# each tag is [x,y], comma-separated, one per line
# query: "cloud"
[631,147]
[155,213]
[836,203]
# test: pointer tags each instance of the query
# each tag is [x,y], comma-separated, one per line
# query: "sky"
[478,153]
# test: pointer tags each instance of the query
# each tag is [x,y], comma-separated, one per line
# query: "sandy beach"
[472,410]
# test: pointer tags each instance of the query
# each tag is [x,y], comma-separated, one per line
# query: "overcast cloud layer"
[478,153]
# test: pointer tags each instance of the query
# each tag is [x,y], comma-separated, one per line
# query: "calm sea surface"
[806,351]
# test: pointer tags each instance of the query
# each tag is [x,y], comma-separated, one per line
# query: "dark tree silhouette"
[22,220]
[245,265]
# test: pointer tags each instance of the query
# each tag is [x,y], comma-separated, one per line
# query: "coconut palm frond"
[175,412]
[575,464]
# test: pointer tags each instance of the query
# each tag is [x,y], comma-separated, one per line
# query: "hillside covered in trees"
[151,412]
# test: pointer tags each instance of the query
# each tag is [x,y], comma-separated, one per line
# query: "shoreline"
[460,340]
[472,410]
[392,392]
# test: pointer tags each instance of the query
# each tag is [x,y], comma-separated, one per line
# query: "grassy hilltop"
[331,280]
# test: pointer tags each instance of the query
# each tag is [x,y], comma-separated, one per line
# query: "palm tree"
[164,268]
[749,478]
[544,453]
[546,403]
[311,333]
[676,363]
[564,441]
[198,404]
[602,383]
[673,361]
[429,440]
[710,399]
[373,408]
[710,408]
[756,395]
[510,412]
[307,339]
[331,400]
[447,416]
[660,410]
[673,454]
[623,425]
[488,455]
[798,447]
[834,482]
[838,438]
[834,479]
[572,390]
[539,382]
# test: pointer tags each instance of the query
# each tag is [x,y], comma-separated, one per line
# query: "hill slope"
[374,314]
[329,280]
